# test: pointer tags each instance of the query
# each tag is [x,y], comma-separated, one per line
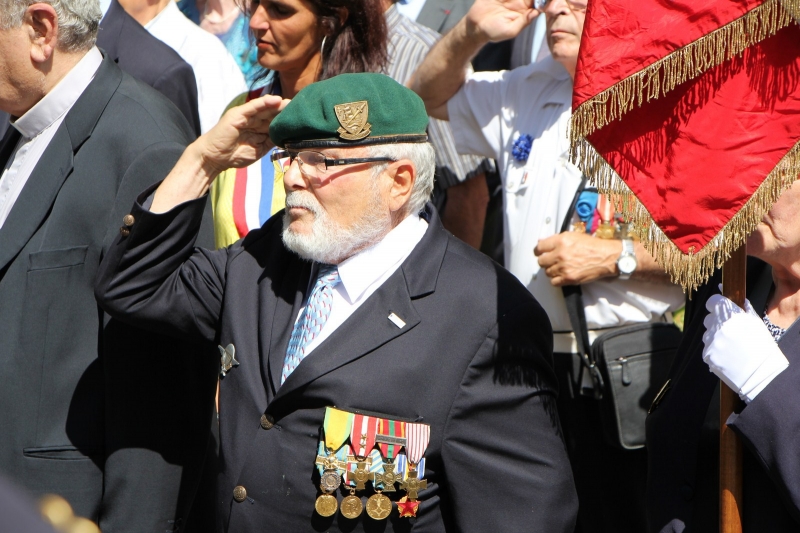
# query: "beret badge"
[353,119]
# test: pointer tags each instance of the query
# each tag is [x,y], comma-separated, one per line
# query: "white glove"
[739,348]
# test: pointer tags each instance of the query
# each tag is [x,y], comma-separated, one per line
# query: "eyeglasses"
[574,5]
[315,164]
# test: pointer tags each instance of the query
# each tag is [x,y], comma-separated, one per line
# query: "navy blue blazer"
[473,360]
[149,60]
[683,436]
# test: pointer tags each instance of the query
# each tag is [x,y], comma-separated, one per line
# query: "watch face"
[627,264]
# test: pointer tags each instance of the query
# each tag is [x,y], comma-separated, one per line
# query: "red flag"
[690,110]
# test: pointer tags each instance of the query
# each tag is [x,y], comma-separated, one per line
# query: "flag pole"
[734,273]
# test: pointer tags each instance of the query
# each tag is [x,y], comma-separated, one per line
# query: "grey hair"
[424,158]
[78,20]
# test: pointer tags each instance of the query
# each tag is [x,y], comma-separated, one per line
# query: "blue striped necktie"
[312,319]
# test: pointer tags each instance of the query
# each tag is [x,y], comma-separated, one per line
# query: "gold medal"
[326,505]
[388,478]
[351,506]
[379,507]
[361,474]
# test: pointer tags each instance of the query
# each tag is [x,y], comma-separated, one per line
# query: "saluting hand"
[572,258]
[241,137]
[500,20]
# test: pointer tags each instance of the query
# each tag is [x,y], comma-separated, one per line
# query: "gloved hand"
[739,348]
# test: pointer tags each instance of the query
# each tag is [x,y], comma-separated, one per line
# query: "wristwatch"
[626,263]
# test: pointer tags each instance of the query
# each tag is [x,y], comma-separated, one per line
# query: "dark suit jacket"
[102,413]
[473,361]
[3,123]
[146,58]
[683,436]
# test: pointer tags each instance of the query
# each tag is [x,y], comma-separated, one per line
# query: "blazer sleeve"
[770,427]
[504,456]
[179,84]
[153,276]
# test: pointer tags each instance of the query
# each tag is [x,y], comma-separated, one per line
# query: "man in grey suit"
[99,412]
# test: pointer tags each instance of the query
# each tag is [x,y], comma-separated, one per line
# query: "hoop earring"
[322,48]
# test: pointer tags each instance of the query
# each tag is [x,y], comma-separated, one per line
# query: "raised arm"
[152,276]
[240,138]
[444,70]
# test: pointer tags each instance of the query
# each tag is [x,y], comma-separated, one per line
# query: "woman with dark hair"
[298,42]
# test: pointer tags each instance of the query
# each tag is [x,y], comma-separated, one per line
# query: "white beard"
[329,242]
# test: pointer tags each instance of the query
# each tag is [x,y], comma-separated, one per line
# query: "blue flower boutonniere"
[522,147]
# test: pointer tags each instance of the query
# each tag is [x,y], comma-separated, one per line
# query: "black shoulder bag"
[627,366]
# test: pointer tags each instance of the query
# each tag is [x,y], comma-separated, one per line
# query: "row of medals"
[379,507]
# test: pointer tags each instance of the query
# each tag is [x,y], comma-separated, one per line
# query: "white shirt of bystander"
[39,125]
[410,8]
[219,79]
[488,114]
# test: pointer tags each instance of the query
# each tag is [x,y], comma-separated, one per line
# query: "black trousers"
[610,481]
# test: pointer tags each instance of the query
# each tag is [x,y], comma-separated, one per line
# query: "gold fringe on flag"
[682,65]
[694,269]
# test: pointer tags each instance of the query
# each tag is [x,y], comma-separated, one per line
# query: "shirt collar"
[165,13]
[392,16]
[104,6]
[60,98]
[359,272]
[551,67]
[559,93]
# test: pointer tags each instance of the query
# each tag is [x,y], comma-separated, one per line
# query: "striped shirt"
[409,43]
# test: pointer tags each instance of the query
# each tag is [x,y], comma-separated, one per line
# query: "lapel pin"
[397,321]
[227,359]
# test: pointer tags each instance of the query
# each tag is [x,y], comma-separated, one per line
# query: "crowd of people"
[197,195]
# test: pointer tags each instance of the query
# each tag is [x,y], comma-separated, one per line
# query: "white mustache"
[306,201]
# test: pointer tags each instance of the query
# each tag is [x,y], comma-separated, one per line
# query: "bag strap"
[573,297]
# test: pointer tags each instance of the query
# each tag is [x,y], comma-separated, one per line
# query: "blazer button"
[128,220]
[239,493]
[267,421]
[124,231]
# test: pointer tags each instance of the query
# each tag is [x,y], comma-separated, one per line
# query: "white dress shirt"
[411,8]
[219,79]
[38,126]
[487,115]
[364,273]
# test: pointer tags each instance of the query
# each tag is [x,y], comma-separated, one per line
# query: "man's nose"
[292,177]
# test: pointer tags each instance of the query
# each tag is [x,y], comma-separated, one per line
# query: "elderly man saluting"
[375,368]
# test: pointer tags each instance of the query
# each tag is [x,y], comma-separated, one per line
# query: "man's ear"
[42,24]
[403,174]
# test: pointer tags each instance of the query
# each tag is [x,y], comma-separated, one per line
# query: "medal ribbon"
[362,436]
[337,427]
[417,438]
[394,429]
[401,466]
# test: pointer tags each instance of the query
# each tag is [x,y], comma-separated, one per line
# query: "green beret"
[351,110]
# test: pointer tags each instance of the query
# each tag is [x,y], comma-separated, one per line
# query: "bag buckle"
[592,383]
